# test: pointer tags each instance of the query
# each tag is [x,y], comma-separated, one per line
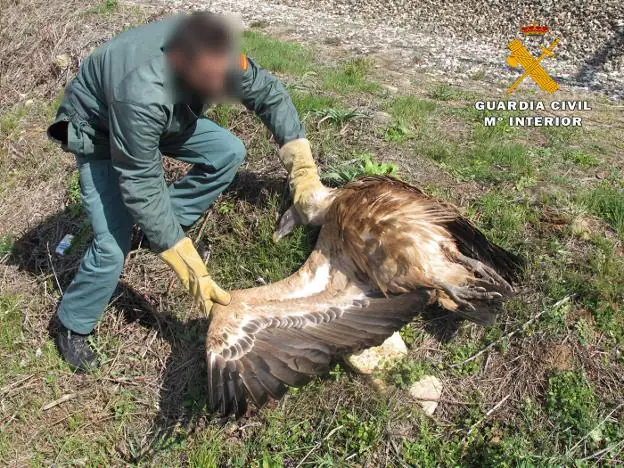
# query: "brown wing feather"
[398,239]
[393,233]
[296,345]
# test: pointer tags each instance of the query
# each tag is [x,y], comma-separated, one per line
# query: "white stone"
[390,88]
[369,360]
[427,392]
[382,118]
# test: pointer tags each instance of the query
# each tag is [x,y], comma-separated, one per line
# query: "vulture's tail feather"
[473,243]
[226,394]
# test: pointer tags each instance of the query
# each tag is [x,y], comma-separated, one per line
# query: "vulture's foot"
[485,273]
[462,295]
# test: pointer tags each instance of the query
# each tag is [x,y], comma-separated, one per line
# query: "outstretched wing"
[286,343]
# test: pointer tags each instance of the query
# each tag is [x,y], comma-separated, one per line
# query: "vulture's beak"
[286,224]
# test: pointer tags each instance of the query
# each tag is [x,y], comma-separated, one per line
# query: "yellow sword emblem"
[520,56]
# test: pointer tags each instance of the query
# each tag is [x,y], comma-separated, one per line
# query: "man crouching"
[137,97]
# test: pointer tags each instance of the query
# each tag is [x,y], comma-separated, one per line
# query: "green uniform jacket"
[125,100]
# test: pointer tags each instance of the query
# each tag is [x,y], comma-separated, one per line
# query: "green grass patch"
[105,8]
[6,244]
[246,250]
[10,325]
[398,132]
[560,136]
[278,56]
[571,403]
[607,202]
[74,203]
[351,77]
[581,158]
[409,113]
[309,103]
[502,217]
[410,109]
[10,120]
[338,116]
[595,281]
[445,92]
[490,163]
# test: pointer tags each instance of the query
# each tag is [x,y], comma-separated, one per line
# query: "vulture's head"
[315,210]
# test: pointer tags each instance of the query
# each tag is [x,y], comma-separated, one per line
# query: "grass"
[409,114]
[338,116]
[277,56]
[10,120]
[6,244]
[264,260]
[548,392]
[74,203]
[350,77]
[606,202]
[410,109]
[309,103]
[104,8]
[445,92]
[10,332]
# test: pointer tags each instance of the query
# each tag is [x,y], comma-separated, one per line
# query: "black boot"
[74,348]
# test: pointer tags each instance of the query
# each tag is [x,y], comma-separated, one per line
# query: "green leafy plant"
[571,402]
[337,116]
[398,132]
[362,166]
[406,372]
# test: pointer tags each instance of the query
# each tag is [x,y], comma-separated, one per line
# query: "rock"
[62,61]
[369,360]
[382,118]
[427,392]
[391,89]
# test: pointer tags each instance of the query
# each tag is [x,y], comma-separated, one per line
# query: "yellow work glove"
[297,158]
[189,266]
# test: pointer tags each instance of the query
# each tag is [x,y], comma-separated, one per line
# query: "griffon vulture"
[385,252]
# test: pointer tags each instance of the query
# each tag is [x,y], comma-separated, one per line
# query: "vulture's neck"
[318,275]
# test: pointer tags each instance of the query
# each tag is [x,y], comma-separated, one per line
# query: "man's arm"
[267,97]
[264,94]
[135,132]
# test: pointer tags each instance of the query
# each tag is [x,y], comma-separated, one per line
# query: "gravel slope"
[584,27]
[451,40]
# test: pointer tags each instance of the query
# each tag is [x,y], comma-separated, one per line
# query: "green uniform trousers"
[216,155]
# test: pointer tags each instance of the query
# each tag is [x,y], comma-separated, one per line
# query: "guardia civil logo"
[532,67]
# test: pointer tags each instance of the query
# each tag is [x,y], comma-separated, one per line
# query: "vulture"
[385,251]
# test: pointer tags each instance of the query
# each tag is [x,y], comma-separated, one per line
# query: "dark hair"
[200,32]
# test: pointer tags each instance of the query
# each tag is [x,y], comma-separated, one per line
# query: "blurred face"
[206,73]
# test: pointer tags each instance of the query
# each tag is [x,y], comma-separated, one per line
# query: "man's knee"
[237,151]
[110,252]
